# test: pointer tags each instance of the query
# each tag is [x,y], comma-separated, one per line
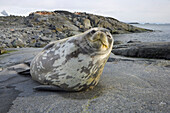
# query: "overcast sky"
[154,11]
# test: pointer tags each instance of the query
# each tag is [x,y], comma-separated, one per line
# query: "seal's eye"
[109,36]
[93,31]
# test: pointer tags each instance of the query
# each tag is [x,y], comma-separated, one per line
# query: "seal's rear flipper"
[48,88]
[21,69]
[25,72]
[28,63]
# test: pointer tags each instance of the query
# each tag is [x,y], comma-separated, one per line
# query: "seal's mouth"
[99,43]
[104,44]
[100,39]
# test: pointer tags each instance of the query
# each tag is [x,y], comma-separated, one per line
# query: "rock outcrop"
[41,27]
[156,50]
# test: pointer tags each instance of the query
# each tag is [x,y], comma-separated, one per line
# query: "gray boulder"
[17,43]
[156,50]
[87,23]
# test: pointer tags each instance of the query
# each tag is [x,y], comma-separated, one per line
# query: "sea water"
[161,34]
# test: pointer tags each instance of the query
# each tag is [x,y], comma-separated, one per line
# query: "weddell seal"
[73,64]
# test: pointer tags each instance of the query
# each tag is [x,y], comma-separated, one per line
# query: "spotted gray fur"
[73,64]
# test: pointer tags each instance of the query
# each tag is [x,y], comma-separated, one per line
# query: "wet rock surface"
[157,50]
[126,85]
[41,27]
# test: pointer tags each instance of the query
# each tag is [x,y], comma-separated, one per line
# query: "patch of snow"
[4,13]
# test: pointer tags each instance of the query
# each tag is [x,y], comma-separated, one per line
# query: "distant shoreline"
[148,23]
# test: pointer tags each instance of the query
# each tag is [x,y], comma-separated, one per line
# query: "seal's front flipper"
[48,88]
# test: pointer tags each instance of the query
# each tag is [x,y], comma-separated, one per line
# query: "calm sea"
[161,34]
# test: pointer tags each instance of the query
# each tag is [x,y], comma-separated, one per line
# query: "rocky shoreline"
[41,27]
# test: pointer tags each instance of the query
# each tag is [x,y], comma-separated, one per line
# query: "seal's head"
[99,39]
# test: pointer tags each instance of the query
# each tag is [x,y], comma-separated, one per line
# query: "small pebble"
[1,69]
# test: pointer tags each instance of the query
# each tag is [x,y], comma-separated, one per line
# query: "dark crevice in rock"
[7,96]
[8,92]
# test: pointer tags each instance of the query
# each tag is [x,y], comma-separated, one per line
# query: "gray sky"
[154,11]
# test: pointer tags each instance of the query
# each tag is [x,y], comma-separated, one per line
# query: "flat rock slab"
[18,56]
[126,85]
[159,50]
